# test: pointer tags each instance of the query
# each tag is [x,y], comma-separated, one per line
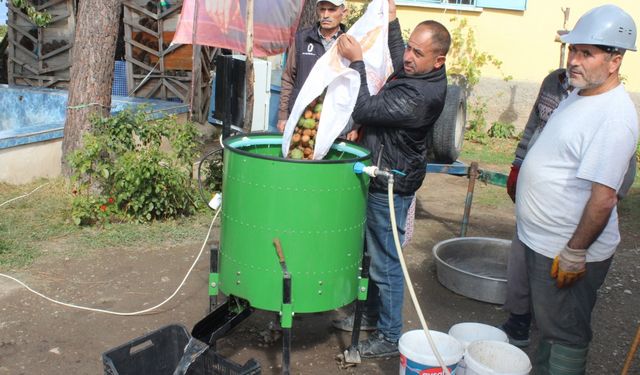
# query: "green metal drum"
[317,210]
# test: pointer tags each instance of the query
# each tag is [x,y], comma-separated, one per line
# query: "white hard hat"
[606,25]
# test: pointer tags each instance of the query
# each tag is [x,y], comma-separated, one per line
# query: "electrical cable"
[405,271]
[124,313]
[24,195]
[200,187]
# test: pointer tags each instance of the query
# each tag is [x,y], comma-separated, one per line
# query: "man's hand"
[349,48]
[392,10]
[512,181]
[281,125]
[569,266]
[352,136]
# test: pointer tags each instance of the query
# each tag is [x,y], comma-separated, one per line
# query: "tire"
[445,139]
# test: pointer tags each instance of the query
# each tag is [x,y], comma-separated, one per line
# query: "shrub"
[465,59]
[355,11]
[122,172]
[477,124]
[502,130]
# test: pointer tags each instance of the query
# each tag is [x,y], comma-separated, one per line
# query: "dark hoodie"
[396,120]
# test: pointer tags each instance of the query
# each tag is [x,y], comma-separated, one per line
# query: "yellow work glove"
[569,266]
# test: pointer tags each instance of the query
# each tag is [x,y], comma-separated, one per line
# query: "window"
[503,4]
[461,2]
[468,4]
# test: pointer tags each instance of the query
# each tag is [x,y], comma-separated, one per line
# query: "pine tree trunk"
[92,70]
[308,16]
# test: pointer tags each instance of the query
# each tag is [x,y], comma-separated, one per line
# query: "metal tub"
[317,209]
[475,267]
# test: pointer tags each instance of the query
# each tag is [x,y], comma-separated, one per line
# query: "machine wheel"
[447,135]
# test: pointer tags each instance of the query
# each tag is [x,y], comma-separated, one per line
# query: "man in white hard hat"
[309,45]
[566,197]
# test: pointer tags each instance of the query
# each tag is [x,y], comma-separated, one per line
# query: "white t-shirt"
[587,139]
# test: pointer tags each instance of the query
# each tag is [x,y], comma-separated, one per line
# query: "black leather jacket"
[396,120]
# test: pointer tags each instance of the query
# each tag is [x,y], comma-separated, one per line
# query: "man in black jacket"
[308,46]
[395,123]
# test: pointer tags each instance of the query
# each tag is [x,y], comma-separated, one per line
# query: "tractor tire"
[447,135]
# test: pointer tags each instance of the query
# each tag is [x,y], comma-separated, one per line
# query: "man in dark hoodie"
[309,45]
[394,124]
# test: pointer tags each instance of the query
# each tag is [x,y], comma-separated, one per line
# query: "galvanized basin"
[475,267]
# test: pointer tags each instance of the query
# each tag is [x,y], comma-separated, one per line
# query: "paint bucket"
[469,332]
[496,358]
[417,357]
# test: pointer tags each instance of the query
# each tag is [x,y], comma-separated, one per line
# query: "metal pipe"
[473,175]
[194,58]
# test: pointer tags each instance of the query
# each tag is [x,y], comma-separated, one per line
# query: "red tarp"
[221,23]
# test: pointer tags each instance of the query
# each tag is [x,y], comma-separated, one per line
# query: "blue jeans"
[386,291]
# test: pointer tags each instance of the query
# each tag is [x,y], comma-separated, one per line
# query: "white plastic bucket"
[469,332]
[495,358]
[417,358]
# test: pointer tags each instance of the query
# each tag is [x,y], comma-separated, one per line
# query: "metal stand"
[213,277]
[474,173]
[352,355]
[221,317]
[286,321]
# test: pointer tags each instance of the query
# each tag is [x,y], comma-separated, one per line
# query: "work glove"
[569,266]
[512,180]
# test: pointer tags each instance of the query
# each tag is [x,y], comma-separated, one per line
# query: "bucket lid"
[415,346]
[467,332]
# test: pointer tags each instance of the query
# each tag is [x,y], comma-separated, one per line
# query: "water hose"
[407,279]
[374,171]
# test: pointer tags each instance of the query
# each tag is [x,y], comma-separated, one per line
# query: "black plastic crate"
[159,353]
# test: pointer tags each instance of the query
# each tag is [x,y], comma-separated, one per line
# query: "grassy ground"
[495,156]
[41,221]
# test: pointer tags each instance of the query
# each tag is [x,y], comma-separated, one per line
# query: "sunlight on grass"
[495,156]
[42,221]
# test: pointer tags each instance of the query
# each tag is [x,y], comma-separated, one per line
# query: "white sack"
[343,83]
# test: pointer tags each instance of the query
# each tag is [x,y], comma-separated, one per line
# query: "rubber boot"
[541,361]
[565,360]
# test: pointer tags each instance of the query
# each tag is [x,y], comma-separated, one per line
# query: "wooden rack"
[41,56]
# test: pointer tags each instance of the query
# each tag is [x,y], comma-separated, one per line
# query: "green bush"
[464,58]
[502,130]
[477,124]
[127,171]
[41,19]
[355,11]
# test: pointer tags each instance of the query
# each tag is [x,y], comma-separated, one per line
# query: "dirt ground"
[39,337]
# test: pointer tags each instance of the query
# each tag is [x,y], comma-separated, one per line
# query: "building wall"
[525,43]
[525,40]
